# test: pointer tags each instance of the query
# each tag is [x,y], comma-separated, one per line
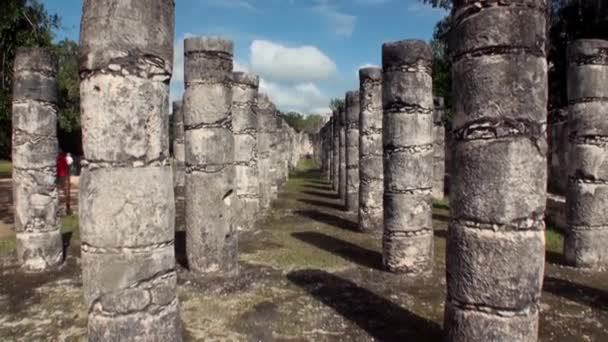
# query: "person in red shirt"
[63,177]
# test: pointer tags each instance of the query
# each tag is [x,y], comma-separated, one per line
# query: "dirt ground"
[305,275]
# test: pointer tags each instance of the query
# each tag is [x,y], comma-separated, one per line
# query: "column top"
[208,44]
[405,52]
[35,59]
[240,77]
[372,73]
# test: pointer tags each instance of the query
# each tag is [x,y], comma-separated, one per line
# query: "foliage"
[309,124]
[336,104]
[570,20]
[23,23]
[6,168]
[447,4]
[68,82]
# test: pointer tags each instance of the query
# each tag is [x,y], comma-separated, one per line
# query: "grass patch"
[6,168]
[7,245]
[69,227]
[554,241]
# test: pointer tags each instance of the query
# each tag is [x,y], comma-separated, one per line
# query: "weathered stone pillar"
[496,244]
[352,150]
[179,152]
[264,111]
[370,150]
[39,244]
[329,141]
[336,150]
[245,127]
[275,154]
[211,238]
[557,157]
[126,193]
[179,165]
[586,243]
[407,244]
[439,148]
[342,163]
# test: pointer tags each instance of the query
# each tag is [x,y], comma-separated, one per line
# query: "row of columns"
[498,183]
[127,204]
[128,183]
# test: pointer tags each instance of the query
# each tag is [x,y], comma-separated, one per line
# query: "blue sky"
[306,51]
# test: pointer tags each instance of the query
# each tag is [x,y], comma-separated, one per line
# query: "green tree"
[311,123]
[68,81]
[23,23]
[336,104]
[570,20]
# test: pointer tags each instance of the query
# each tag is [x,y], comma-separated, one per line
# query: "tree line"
[567,20]
[26,23]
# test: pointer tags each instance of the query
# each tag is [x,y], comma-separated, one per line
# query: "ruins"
[39,245]
[498,183]
[587,191]
[407,243]
[352,150]
[403,215]
[244,125]
[371,171]
[211,237]
[126,196]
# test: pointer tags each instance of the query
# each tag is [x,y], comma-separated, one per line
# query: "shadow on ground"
[354,253]
[330,219]
[380,318]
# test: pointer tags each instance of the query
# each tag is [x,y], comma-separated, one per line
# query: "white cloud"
[231,4]
[305,98]
[287,74]
[342,24]
[277,62]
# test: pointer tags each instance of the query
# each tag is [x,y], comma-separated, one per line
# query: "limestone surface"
[587,192]
[126,194]
[371,171]
[179,152]
[336,150]
[211,237]
[34,108]
[245,129]
[439,148]
[352,150]
[498,182]
[342,161]
[264,111]
[408,156]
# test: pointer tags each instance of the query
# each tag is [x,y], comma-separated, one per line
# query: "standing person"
[63,177]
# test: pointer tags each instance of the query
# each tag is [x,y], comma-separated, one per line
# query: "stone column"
[352,150]
[496,244]
[179,152]
[126,193]
[264,111]
[245,127]
[211,239]
[370,150]
[439,148]
[342,163]
[407,244]
[336,150]
[39,244]
[587,197]
[329,141]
